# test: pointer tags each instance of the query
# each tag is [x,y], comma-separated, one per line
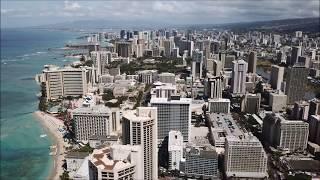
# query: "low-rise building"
[167,78]
[175,149]
[220,105]
[74,161]
[148,76]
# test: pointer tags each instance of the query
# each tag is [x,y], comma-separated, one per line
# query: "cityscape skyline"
[146,90]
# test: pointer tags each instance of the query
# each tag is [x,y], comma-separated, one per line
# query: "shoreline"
[51,124]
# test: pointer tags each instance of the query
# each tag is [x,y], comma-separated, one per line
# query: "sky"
[25,13]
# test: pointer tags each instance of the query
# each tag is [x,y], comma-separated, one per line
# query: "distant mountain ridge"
[283,25]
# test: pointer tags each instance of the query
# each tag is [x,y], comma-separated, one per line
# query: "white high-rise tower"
[140,128]
[239,71]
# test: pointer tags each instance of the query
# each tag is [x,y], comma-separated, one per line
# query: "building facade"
[140,128]
[245,158]
[201,162]
[239,76]
[295,83]
[276,78]
[175,148]
[89,121]
[67,81]
[174,113]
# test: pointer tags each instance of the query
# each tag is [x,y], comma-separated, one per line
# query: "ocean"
[24,153]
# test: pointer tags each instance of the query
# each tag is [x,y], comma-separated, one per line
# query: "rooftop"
[97,110]
[172,101]
[103,160]
[225,123]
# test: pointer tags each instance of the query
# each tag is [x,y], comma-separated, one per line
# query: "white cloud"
[6,11]
[162,6]
[71,6]
[176,12]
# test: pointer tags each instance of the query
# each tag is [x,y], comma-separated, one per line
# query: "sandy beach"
[51,125]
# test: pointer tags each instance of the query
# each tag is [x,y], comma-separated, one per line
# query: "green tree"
[138,100]
[82,59]
[43,106]
[107,95]
[86,148]
[88,63]
[65,176]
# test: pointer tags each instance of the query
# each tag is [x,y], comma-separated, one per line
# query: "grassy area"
[162,64]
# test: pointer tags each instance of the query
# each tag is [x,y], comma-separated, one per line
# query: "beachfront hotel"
[66,81]
[140,128]
[89,121]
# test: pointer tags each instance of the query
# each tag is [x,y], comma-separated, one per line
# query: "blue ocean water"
[24,154]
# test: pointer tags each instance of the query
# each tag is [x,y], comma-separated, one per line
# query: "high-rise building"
[314,108]
[295,83]
[276,78]
[295,53]
[251,103]
[228,63]
[140,128]
[201,162]
[175,52]
[100,60]
[175,149]
[252,62]
[124,48]
[289,135]
[245,158]
[89,121]
[122,34]
[239,76]
[214,87]
[210,66]
[303,61]
[217,67]
[300,110]
[298,34]
[174,113]
[197,64]
[314,127]
[278,101]
[168,45]
[222,59]
[66,81]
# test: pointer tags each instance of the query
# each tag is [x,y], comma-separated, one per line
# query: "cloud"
[71,6]
[6,11]
[173,12]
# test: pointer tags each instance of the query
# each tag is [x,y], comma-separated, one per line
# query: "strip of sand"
[51,125]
